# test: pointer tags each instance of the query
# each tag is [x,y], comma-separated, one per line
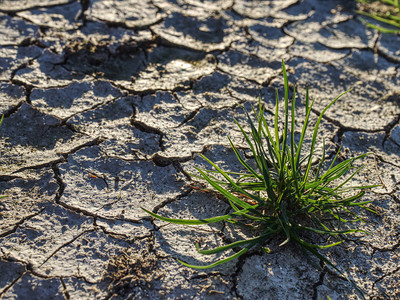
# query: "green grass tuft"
[285,195]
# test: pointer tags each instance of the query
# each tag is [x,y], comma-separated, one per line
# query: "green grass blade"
[379,28]
[250,169]
[273,147]
[230,246]
[304,130]
[383,29]
[234,185]
[196,222]
[222,261]
[322,160]
[395,18]
[272,150]
[328,232]
[224,192]
[249,142]
[250,217]
[292,144]
[276,120]
[314,137]
[268,180]
[380,19]
[314,246]
[263,164]
[348,179]
[285,127]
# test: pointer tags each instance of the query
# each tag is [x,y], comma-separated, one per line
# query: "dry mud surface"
[106,104]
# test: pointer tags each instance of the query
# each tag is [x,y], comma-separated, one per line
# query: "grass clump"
[285,194]
[386,12]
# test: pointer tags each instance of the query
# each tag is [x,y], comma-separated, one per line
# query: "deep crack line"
[319,282]
[12,283]
[345,128]
[62,158]
[386,275]
[18,224]
[64,245]
[65,291]
[61,188]
[64,121]
[29,268]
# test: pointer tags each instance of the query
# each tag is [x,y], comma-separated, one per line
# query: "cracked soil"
[106,105]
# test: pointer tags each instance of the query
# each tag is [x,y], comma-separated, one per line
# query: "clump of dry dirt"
[132,272]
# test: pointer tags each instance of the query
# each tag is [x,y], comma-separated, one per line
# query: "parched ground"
[106,104]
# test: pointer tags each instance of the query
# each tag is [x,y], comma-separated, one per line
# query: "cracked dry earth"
[106,104]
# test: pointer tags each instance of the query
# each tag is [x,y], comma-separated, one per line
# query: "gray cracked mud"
[106,105]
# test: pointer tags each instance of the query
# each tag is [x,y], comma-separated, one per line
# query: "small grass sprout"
[284,193]
[387,13]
